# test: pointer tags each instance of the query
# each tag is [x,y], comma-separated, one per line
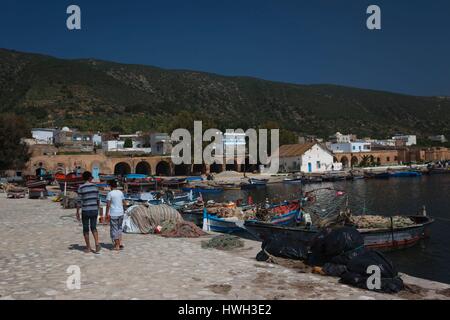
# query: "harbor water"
[430,259]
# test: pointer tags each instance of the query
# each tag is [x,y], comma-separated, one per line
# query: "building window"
[395,158]
[318,164]
[388,159]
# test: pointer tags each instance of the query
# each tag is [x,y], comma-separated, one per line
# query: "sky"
[305,42]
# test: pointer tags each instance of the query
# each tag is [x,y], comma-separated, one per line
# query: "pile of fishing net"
[68,201]
[182,229]
[370,222]
[146,219]
[225,210]
[223,242]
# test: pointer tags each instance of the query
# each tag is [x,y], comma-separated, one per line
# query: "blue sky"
[291,41]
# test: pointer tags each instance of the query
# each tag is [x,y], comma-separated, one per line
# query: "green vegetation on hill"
[98,95]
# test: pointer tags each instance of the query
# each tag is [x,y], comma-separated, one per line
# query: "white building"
[307,158]
[350,147]
[439,138]
[342,138]
[407,140]
[43,136]
[383,143]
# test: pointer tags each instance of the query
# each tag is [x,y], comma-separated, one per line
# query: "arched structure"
[163,168]
[215,168]
[231,166]
[344,161]
[198,169]
[143,167]
[354,161]
[122,169]
[182,170]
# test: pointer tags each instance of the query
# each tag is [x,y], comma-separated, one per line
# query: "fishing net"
[366,221]
[183,229]
[146,219]
[223,242]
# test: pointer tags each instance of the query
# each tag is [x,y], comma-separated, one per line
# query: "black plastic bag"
[334,270]
[336,245]
[283,246]
[357,274]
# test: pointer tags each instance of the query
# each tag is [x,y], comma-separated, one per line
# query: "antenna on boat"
[424,211]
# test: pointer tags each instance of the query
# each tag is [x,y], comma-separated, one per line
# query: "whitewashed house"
[407,139]
[43,135]
[307,158]
[351,147]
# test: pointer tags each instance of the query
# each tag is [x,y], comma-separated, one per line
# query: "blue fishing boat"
[135,176]
[293,180]
[286,214]
[254,183]
[203,189]
[194,178]
[402,174]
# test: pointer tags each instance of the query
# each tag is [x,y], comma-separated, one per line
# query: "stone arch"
[143,167]
[249,167]
[163,168]
[122,169]
[198,169]
[354,161]
[335,160]
[344,161]
[182,170]
[215,168]
[231,166]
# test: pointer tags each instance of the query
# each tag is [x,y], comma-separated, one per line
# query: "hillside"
[93,94]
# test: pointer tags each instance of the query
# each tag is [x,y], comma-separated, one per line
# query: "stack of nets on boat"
[223,242]
[182,229]
[229,210]
[146,219]
[375,222]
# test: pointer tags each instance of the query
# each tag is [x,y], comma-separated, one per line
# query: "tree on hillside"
[128,143]
[13,153]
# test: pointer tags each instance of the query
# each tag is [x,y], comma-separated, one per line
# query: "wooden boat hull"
[217,224]
[404,174]
[203,190]
[37,184]
[381,239]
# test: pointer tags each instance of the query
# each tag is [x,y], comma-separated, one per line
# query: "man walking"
[89,203]
[115,202]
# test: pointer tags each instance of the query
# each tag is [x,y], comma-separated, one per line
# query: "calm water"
[431,258]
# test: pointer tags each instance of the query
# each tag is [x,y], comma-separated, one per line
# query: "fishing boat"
[36,183]
[293,180]
[254,183]
[334,176]
[377,175]
[194,178]
[312,179]
[203,189]
[390,238]
[70,181]
[173,183]
[402,174]
[228,186]
[286,213]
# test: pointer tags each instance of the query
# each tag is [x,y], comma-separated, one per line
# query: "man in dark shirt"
[88,201]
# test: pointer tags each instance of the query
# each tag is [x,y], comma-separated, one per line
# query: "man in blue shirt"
[88,201]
